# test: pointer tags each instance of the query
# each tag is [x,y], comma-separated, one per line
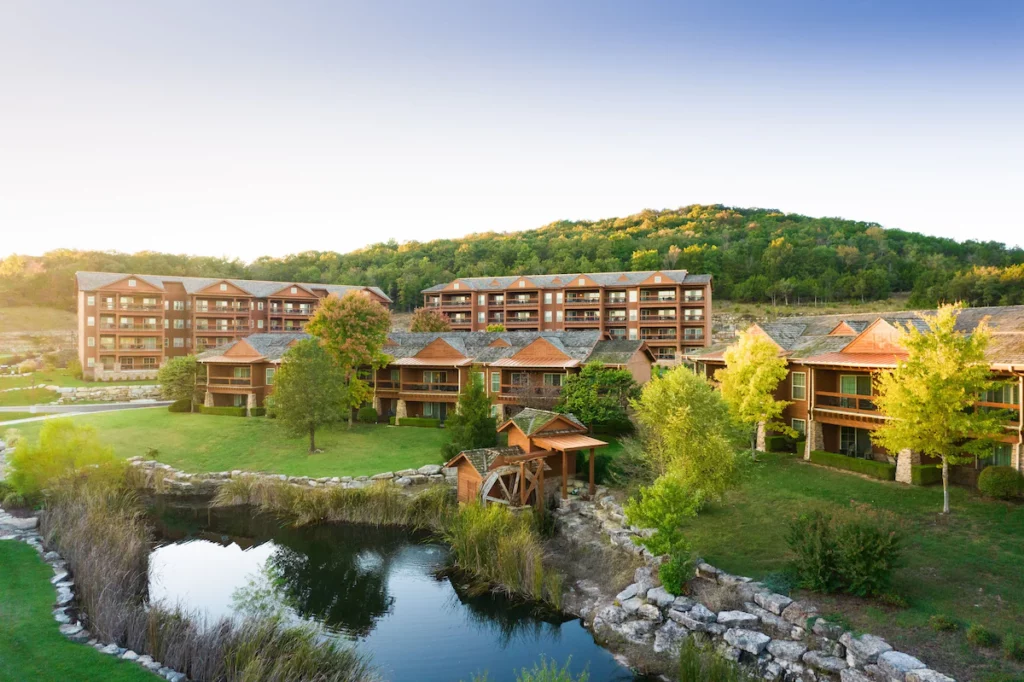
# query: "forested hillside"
[754,254]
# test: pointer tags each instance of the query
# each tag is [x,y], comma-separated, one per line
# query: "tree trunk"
[753,444]
[945,486]
[312,439]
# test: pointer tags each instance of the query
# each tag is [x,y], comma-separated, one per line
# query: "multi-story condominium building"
[429,370]
[832,360]
[669,309]
[128,323]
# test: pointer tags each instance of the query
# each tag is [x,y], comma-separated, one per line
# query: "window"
[167,323]
[547,297]
[259,324]
[431,376]
[179,305]
[558,297]
[239,400]
[128,363]
[166,304]
[90,362]
[481,317]
[558,315]
[188,324]
[149,363]
[481,299]
[799,386]
[494,411]
[428,409]
[179,324]
[632,334]
[270,375]
[553,380]
[854,442]
[131,282]
[188,343]
[167,341]
[90,300]
[547,315]
[396,377]
[632,315]
[632,295]
[519,378]
[224,287]
[855,384]
[91,341]
[179,342]
[800,426]
[90,321]
[240,372]
[1006,394]
[522,285]
[657,279]
[456,285]
[582,281]
[495,382]
[259,305]
[1002,456]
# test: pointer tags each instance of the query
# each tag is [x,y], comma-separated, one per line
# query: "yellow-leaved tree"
[929,398]
[752,373]
[64,448]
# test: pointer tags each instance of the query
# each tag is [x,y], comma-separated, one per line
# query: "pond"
[378,588]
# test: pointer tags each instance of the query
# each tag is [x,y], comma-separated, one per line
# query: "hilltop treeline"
[754,254]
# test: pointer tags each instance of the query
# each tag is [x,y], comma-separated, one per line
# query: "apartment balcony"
[135,348]
[615,319]
[522,321]
[613,299]
[460,321]
[430,387]
[693,319]
[511,393]
[236,382]
[592,301]
[285,328]
[617,334]
[693,296]
[847,402]
[522,303]
[457,303]
[230,329]
[664,354]
[386,385]
[589,320]
[690,337]
[665,318]
[496,301]
[658,335]
[225,310]
[654,299]
[134,307]
[497,319]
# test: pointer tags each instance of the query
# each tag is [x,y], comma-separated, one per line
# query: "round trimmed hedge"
[1000,482]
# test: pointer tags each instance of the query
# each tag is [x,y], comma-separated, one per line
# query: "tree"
[929,398]
[685,429]
[496,327]
[353,330]
[177,379]
[309,390]
[472,425]
[63,448]
[752,373]
[599,396]
[647,259]
[429,320]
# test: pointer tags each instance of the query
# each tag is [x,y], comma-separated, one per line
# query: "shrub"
[942,623]
[855,555]
[1000,482]
[223,411]
[675,572]
[925,474]
[391,421]
[895,600]
[63,448]
[367,415]
[602,465]
[699,662]
[979,635]
[425,422]
[883,471]
[258,412]
[1013,647]
[781,582]
[800,447]
[548,671]
[183,405]
[74,368]
[777,444]
[14,500]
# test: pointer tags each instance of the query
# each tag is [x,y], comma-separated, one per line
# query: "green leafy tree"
[472,425]
[752,373]
[353,330]
[685,429]
[599,396]
[664,506]
[929,398]
[496,327]
[429,320]
[177,379]
[309,390]
[647,259]
[63,449]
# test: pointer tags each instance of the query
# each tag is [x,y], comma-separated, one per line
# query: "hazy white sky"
[248,128]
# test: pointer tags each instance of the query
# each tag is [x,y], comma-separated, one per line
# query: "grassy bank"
[965,566]
[36,319]
[198,443]
[28,396]
[60,377]
[31,648]
[11,416]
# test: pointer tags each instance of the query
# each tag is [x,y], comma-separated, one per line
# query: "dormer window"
[583,282]
[223,287]
[455,286]
[657,279]
[522,285]
[295,290]
[131,282]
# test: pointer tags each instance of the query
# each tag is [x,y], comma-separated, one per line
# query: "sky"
[255,128]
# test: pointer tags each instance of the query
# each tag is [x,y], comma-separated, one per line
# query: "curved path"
[50,411]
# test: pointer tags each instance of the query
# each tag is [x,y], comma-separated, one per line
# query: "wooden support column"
[540,484]
[522,484]
[565,476]
[591,488]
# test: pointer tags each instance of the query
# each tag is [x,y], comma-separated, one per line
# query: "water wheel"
[512,484]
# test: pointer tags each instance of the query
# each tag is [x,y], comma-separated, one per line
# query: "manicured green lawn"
[59,377]
[968,566]
[29,396]
[31,647]
[11,416]
[195,442]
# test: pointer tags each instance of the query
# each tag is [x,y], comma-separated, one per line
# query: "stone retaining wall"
[781,639]
[113,394]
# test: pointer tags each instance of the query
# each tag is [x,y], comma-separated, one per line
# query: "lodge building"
[429,370]
[832,361]
[129,323]
[668,309]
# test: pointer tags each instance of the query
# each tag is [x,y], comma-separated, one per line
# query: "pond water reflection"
[377,587]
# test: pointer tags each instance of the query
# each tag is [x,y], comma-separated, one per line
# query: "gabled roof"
[90,281]
[562,280]
[482,458]
[269,346]
[530,421]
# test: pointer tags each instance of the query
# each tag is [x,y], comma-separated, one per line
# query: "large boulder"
[660,597]
[628,593]
[737,619]
[429,469]
[786,651]
[926,675]
[649,612]
[897,664]
[863,649]
[773,602]
[668,638]
[636,631]
[751,641]
[825,663]
[703,614]
[632,605]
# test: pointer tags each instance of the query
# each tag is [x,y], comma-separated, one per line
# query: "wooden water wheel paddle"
[513,484]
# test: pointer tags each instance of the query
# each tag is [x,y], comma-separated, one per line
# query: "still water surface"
[378,588]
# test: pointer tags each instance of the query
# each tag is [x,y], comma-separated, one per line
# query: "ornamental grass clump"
[700,662]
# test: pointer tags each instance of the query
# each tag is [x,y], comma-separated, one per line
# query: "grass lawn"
[196,443]
[28,396]
[36,319]
[59,377]
[31,647]
[968,566]
[11,416]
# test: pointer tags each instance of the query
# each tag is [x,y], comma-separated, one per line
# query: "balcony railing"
[457,303]
[230,329]
[132,306]
[583,300]
[496,320]
[693,297]
[134,327]
[431,387]
[229,381]
[512,302]
[278,310]
[526,391]
[227,310]
[616,319]
[582,319]
[845,401]
[387,385]
[658,336]
[693,318]
[280,328]
[692,337]
[533,319]
[498,300]
[616,300]
[659,318]
[136,346]
[655,298]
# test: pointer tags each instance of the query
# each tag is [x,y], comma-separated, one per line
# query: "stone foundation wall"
[782,639]
[114,394]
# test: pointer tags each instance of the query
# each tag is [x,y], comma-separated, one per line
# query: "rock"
[686,620]
[59,577]
[683,603]
[668,638]
[636,631]
[145,661]
[703,614]
[863,649]
[429,469]
[798,612]
[737,619]
[611,614]
[70,630]
[707,571]
[405,472]
[773,602]
[897,664]
[632,605]
[385,476]
[731,653]
[111,650]
[826,629]
[176,677]
[828,664]
[924,675]
[28,523]
[660,597]
[403,482]
[729,580]
[772,671]
[829,647]
[64,596]
[130,656]
[649,612]
[627,593]
[747,640]
[417,479]
[774,626]
[851,675]
[60,615]
[786,651]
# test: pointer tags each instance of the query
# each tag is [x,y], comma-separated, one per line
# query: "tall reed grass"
[700,662]
[100,528]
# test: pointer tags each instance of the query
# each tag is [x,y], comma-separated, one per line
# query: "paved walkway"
[52,411]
